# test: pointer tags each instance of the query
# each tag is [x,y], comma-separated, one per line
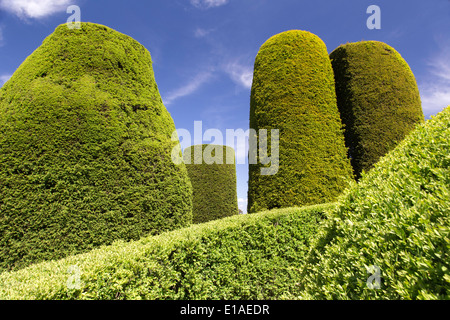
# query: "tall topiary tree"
[378,99]
[85,149]
[293,91]
[212,171]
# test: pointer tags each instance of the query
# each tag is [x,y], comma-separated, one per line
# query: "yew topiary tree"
[293,92]
[212,171]
[85,149]
[378,99]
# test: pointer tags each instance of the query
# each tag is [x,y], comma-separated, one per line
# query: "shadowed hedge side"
[85,149]
[293,91]
[378,99]
[213,178]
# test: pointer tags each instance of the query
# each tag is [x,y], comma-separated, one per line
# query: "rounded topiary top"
[85,149]
[212,171]
[378,99]
[293,91]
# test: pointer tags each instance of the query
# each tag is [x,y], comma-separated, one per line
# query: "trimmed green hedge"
[293,91]
[377,97]
[240,257]
[85,149]
[213,178]
[396,218]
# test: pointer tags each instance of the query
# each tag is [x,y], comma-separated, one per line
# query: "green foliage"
[212,171]
[85,149]
[240,257]
[293,91]
[397,218]
[377,97]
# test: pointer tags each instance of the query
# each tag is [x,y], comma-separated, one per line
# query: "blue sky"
[203,50]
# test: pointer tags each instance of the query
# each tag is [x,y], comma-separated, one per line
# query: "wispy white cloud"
[397,33]
[206,4]
[237,66]
[440,65]
[435,98]
[239,73]
[4,78]
[201,33]
[189,88]
[35,9]
[435,88]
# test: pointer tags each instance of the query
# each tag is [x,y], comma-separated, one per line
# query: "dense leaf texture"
[240,257]
[378,99]
[396,218]
[293,91]
[85,145]
[213,182]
